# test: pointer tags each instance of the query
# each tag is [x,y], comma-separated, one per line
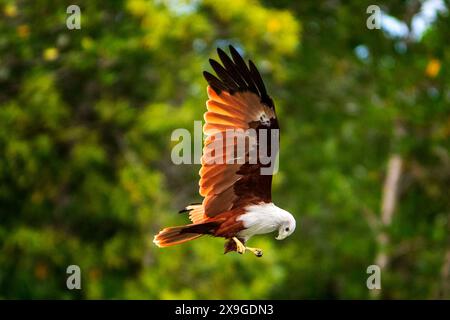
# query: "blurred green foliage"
[85,170]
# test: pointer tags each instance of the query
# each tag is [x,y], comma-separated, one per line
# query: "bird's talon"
[240,248]
[256,251]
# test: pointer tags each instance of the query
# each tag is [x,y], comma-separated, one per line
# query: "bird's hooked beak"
[280,237]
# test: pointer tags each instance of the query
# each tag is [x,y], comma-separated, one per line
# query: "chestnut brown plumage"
[237,101]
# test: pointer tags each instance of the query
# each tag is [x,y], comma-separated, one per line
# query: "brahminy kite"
[237,195]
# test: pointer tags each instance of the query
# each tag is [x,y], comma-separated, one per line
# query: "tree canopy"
[86,178]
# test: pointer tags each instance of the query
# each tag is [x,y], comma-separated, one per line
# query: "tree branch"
[388,206]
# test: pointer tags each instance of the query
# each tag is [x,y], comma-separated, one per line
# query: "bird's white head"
[286,225]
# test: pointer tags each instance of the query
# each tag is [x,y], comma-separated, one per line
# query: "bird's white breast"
[259,219]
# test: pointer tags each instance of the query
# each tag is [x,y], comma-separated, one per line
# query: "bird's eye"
[287,229]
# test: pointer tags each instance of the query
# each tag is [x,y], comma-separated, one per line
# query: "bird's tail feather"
[176,235]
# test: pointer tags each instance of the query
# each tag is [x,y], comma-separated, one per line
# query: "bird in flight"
[236,176]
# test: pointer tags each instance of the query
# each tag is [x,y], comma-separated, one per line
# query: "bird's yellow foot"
[240,248]
[256,251]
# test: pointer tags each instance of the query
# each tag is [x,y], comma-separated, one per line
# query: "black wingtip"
[235,75]
[220,51]
[215,83]
[258,79]
[206,75]
[222,55]
[233,49]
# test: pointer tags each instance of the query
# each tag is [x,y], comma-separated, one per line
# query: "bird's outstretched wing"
[231,176]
